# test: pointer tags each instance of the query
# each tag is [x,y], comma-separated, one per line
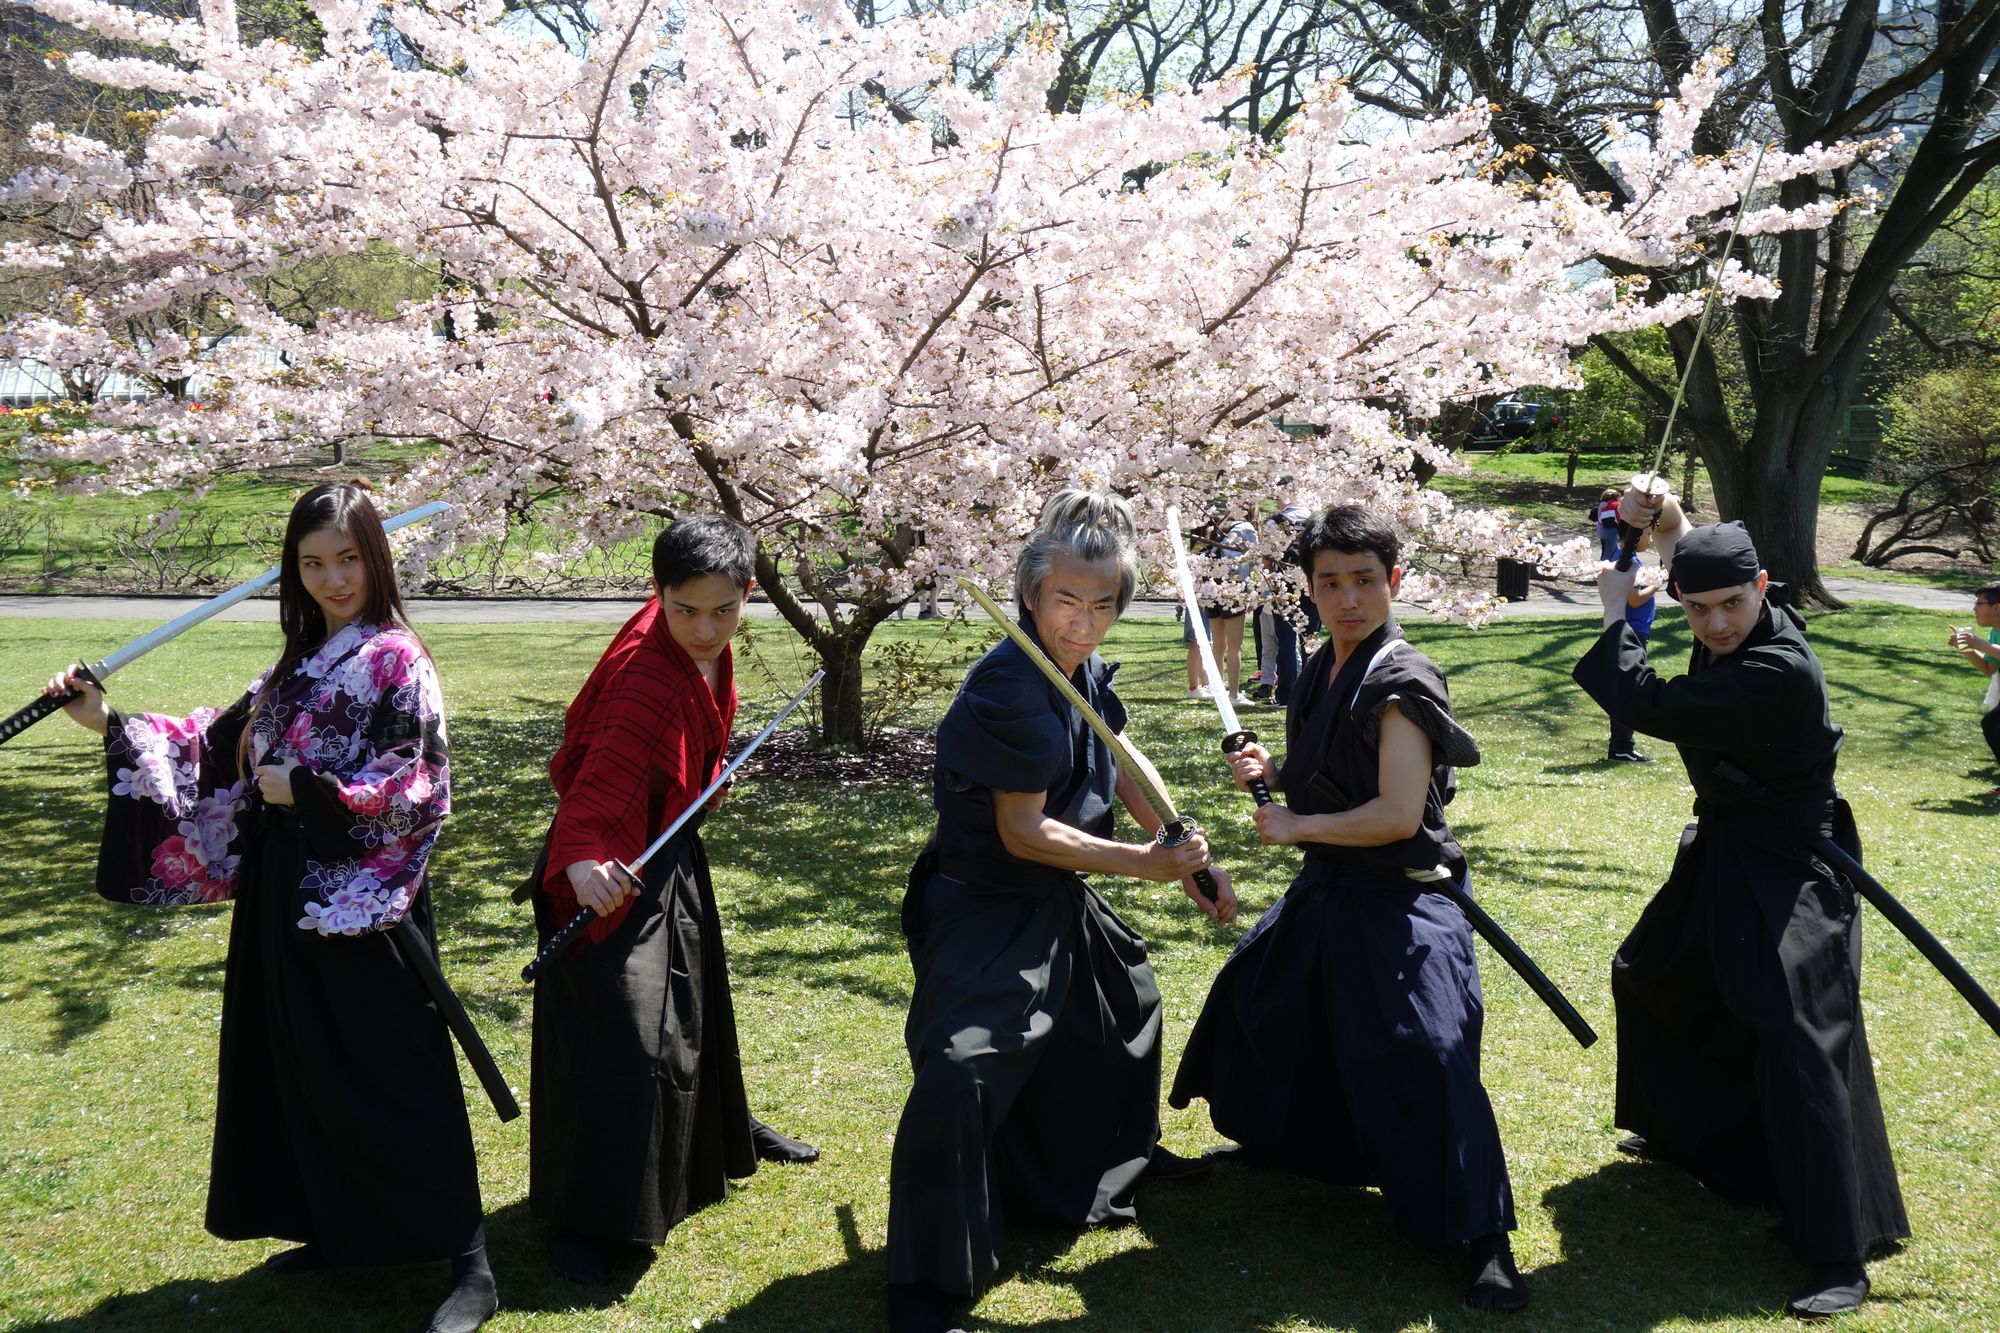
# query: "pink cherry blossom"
[754,285]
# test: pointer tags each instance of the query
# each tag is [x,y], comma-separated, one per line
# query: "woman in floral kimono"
[313,802]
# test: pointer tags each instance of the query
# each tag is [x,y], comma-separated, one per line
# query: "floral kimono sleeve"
[372,816]
[172,832]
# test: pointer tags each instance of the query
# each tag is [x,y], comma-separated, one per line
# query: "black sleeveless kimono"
[1341,1039]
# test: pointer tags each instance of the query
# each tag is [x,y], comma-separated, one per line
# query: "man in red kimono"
[638,1114]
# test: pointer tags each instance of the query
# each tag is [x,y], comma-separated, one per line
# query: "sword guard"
[1175,832]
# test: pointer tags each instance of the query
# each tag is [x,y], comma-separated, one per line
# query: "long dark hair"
[344,507]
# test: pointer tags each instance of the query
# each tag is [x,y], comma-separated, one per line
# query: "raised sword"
[1173,830]
[96,671]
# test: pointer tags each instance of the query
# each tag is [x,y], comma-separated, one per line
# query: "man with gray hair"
[1034,1029]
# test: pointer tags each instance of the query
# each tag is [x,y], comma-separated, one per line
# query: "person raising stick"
[313,803]
[1034,1030]
[1341,1040]
[1742,1056]
[638,1114]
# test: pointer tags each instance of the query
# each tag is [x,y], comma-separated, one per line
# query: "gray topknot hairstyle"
[1084,525]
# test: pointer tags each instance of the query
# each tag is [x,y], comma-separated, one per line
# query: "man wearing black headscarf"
[1741,1050]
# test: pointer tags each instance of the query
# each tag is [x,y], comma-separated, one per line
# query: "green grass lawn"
[1536,485]
[108,1024]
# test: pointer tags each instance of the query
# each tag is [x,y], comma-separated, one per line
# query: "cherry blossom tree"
[705,264]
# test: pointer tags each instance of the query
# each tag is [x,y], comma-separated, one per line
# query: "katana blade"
[722,778]
[1234,736]
[1173,829]
[1629,533]
[575,926]
[179,625]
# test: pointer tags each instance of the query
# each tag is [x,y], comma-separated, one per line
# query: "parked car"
[1512,419]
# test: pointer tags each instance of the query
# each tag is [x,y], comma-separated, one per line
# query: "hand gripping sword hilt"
[43,706]
[1236,740]
[1172,834]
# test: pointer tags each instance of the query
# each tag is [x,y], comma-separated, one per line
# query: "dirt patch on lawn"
[790,756]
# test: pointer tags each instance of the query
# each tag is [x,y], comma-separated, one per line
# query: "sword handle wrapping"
[1172,834]
[1236,740]
[42,707]
[559,941]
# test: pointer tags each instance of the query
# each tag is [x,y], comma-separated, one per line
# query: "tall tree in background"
[1568,78]
[1562,74]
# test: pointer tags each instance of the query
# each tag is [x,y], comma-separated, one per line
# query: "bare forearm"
[1051,842]
[1374,824]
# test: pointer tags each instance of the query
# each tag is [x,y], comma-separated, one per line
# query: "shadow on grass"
[1644,1244]
[1250,1249]
[358,1300]
[71,949]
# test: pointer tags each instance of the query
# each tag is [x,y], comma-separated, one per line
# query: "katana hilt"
[572,928]
[1174,833]
[559,941]
[1235,741]
[44,706]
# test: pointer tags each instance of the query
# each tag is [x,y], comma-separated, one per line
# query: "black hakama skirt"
[1742,1055]
[638,1115]
[1341,1042]
[1034,1037]
[339,1121]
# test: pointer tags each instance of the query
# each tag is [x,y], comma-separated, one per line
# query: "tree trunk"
[840,650]
[1772,483]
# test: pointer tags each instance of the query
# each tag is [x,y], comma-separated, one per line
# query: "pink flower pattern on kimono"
[352,899]
[181,797]
[174,865]
[364,715]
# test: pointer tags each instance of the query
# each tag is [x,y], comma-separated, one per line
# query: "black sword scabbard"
[1495,936]
[1885,902]
[416,952]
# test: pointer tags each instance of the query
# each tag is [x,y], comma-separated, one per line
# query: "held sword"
[1885,902]
[1173,830]
[576,925]
[417,956]
[1629,533]
[95,672]
[1235,737]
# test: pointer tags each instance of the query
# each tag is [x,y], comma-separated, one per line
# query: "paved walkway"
[1543,600]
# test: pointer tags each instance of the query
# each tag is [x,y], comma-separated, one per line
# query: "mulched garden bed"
[790,756]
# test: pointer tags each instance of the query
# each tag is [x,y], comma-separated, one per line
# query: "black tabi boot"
[1836,1289]
[920,1307]
[289,1263]
[580,1258]
[771,1146]
[472,1299]
[1496,1284]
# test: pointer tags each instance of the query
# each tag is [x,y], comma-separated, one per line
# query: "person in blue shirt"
[1640,607]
